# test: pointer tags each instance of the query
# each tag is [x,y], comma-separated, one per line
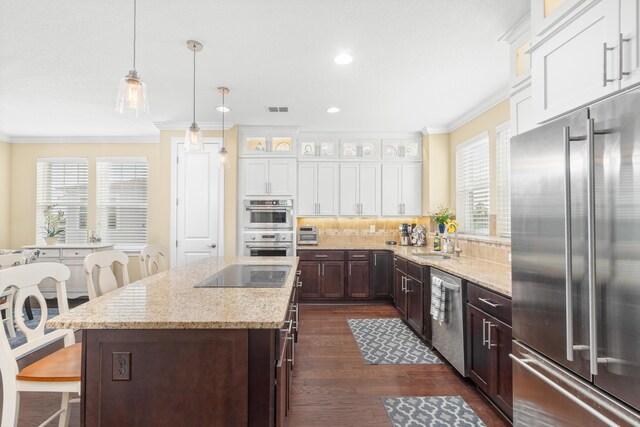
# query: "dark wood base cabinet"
[412,296]
[489,345]
[382,274]
[197,377]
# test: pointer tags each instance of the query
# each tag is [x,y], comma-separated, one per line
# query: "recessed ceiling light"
[343,59]
[333,110]
[223,109]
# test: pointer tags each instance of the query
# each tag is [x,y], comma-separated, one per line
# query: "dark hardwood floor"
[332,386]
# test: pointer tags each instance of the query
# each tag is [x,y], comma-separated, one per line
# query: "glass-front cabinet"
[398,149]
[263,140]
[360,149]
[313,147]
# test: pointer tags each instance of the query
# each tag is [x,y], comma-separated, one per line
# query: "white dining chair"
[58,372]
[100,269]
[153,259]
[6,297]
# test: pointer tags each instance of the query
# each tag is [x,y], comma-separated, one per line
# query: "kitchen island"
[162,351]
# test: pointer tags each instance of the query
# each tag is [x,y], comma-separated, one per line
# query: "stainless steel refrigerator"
[575,203]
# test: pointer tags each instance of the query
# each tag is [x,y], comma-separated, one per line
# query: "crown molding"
[85,139]
[482,107]
[434,130]
[520,27]
[4,138]
[185,125]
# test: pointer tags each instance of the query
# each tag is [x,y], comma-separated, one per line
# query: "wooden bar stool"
[57,373]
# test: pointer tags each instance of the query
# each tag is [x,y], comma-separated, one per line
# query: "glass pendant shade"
[132,95]
[193,139]
[224,156]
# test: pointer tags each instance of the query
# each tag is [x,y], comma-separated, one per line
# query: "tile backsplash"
[357,230]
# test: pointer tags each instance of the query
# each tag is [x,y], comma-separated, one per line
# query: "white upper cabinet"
[402,189]
[630,50]
[314,146]
[306,204]
[402,149]
[267,141]
[317,189]
[582,50]
[360,193]
[360,149]
[268,177]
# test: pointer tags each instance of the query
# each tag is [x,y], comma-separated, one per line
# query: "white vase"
[51,240]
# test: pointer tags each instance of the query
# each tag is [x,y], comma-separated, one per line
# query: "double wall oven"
[268,227]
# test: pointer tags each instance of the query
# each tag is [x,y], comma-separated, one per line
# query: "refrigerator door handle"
[591,243]
[568,255]
[566,393]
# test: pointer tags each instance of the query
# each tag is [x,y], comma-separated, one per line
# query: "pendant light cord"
[135,9]
[223,107]
[194,85]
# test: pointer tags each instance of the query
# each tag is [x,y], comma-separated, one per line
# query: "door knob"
[213,245]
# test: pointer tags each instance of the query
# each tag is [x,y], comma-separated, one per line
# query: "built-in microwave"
[268,214]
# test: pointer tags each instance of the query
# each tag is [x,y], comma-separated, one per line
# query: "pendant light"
[132,92]
[224,154]
[193,136]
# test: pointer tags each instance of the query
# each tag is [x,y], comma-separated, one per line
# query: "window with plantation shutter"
[121,202]
[503,185]
[472,186]
[64,184]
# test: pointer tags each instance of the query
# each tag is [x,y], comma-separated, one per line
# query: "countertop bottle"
[437,243]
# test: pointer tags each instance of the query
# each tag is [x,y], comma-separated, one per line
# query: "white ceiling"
[417,63]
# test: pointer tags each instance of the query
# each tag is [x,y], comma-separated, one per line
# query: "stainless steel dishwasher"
[448,336]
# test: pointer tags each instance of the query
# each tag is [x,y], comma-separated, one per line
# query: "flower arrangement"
[442,215]
[52,221]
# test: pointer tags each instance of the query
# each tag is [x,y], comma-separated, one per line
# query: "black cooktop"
[248,276]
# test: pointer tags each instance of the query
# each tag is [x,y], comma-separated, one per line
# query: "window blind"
[472,186]
[503,184]
[121,201]
[64,184]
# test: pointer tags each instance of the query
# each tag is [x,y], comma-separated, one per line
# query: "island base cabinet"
[214,377]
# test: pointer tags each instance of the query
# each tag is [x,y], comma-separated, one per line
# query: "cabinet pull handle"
[322,270]
[318,269]
[489,303]
[605,80]
[359,256]
[350,269]
[622,73]
[375,260]
[319,208]
[484,332]
[321,256]
[489,343]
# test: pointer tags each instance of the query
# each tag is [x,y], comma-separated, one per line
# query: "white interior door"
[198,204]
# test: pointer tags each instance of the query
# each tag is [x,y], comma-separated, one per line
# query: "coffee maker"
[405,234]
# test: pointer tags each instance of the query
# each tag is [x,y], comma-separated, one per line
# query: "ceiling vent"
[278,109]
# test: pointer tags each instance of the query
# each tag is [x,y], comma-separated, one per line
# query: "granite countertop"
[490,275]
[71,246]
[168,300]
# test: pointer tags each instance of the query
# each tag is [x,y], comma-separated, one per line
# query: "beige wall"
[5,194]
[435,166]
[485,122]
[23,158]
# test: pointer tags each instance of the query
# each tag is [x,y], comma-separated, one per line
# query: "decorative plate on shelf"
[283,146]
[391,150]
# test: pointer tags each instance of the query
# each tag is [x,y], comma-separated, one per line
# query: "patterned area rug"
[435,411]
[20,338]
[390,342]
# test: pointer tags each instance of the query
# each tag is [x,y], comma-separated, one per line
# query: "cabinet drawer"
[49,253]
[490,302]
[358,255]
[415,271]
[321,255]
[75,253]
[401,264]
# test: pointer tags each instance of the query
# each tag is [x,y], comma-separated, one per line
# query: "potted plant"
[442,216]
[52,222]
